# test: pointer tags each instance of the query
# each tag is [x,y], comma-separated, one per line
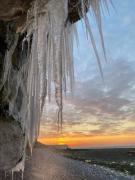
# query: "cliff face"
[16,10]
[13,9]
[11,132]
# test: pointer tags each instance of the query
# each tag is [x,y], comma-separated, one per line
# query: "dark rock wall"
[12,136]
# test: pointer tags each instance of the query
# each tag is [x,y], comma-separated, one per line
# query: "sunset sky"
[100,114]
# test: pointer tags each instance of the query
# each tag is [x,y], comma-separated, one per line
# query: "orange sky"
[91,141]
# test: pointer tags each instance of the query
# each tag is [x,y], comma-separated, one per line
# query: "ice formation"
[52,51]
[48,60]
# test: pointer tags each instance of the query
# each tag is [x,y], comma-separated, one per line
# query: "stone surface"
[13,9]
[11,143]
[17,9]
[74,6]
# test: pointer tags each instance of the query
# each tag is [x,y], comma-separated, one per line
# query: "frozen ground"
[46,164]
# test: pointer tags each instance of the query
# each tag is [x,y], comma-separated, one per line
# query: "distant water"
[120,159]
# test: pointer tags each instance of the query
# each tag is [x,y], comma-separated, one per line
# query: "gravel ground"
[46,164]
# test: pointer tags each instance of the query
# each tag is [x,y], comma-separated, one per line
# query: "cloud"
[97,108]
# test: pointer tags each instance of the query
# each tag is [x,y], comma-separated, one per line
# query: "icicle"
[52,47]
[12,175]
[18,168]
[94,45]
[95,7]
[97,13]
[5,174]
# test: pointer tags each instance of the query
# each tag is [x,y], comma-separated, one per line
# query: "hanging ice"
[48,47]
[51,54]
[52,47]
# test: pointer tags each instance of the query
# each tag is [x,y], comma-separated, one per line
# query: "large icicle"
[52,46]
[95,7]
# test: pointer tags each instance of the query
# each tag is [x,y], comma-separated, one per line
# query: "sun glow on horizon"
[90,141]
[61,141]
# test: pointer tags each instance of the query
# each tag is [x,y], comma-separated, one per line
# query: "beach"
[47,164]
